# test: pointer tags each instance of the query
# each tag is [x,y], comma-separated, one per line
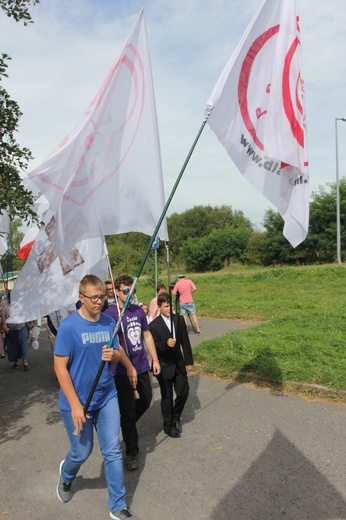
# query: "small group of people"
[123,393]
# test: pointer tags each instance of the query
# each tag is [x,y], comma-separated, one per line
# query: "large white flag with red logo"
[106,175]
[258,114]
[104,178]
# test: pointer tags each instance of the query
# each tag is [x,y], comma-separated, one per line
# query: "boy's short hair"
[91,279]
[124,279]
[163,298]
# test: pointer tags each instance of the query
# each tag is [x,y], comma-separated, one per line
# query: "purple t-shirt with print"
[134,323]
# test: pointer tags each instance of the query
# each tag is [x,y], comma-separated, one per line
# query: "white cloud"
[60,61]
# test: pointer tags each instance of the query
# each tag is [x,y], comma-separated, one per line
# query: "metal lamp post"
[338,235]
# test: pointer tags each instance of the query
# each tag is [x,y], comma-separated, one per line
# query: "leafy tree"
[126,252]
[221,247]
[255,248]
[13,159]
[200,221]
[18,9]
[275,248]
[10,261]
[320,243]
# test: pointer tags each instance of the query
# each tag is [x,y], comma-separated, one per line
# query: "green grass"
[302,335]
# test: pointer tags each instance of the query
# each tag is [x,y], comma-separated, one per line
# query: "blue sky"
[60,61]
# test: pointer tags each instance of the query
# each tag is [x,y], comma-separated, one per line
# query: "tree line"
[207,238]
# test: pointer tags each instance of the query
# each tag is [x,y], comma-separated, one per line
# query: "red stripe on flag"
[24,251]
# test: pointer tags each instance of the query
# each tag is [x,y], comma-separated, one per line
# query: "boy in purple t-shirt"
[137,337]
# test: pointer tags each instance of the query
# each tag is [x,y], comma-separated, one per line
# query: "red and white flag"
[27,243]
[258,114]
[106,177]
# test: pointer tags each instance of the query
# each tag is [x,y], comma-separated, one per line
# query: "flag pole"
[144,259]
[169,200]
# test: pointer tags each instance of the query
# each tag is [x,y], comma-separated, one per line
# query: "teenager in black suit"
[176,360]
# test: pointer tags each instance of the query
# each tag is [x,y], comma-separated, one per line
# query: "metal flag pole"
[144,259]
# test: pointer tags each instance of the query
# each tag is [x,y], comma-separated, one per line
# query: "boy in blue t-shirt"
[81,344]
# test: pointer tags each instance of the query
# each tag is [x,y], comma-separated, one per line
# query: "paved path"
[245,454]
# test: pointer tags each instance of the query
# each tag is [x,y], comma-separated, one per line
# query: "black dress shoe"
[172,432]
[178,426]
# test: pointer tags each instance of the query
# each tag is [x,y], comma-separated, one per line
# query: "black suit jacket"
[171,357]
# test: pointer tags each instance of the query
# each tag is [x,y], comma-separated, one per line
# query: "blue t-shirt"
[82,341]
[134,322]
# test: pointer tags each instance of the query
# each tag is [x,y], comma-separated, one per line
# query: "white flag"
[258,114]
[106,176]
[46,283]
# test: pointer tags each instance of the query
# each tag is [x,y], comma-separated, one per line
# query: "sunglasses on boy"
[126,291]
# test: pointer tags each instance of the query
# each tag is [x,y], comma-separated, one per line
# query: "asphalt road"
[245,454]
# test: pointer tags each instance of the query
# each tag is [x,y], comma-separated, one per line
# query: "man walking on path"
[184,289]
[82,341]
[176,360]
[134,337]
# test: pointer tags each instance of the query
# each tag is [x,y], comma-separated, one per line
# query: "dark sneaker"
[63,489]
[123,514]
[132,462]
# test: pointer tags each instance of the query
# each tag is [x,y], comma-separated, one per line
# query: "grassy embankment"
[302,335]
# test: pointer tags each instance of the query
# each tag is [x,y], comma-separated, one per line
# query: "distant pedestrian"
[16,336]
[153,308]
[184,289]
[110,295]
[145,308]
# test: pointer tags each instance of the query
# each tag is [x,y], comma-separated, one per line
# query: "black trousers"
[132,409]
[170,411]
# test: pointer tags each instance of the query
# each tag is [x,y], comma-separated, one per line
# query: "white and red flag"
[105,177]
[27,243]
[258,114]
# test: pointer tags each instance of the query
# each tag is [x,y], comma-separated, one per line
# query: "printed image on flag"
[258,114]
[104,178]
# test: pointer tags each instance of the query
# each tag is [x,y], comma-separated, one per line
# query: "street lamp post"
[338,234]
